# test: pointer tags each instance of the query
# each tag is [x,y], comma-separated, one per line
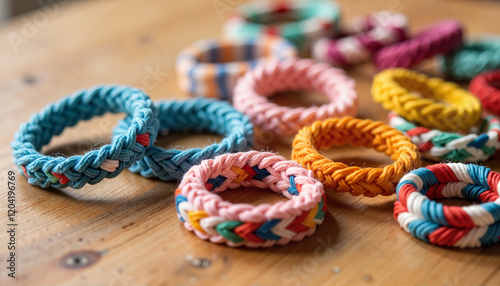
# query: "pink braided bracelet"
[253,89]
[363,36]
[210,217]
[439,38]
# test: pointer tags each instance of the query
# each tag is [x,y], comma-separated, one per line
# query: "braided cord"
[471,59]
[444,146]
[252,94]
[433,222]
[210,217]
[439,38]
[369,182]
[92,167]
[486,87]
[432,102]
[199,115]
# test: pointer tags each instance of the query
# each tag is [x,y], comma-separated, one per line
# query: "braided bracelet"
[210,217]
[419,98]
[440,38]
[443,146]
[362,38]
[432,222]
[252,92]
[211,67]
[200,115]
[310,20]
[486,87]
[369,182]
[92,167]
[471,59]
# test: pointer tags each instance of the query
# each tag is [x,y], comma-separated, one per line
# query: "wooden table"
[127,227]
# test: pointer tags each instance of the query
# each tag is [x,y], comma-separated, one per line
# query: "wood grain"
[129,223]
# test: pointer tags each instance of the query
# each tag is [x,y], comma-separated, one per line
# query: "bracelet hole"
[301,98]
[187,140]
[251,195]
[82,138]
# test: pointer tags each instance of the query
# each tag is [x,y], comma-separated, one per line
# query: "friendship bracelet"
[311,20]
[364,36]
[486,87]
[443,146]
[211,67]
[92,167]
[432,222]
[471,59]
[419,98]
[369,182]
[256,86]
[440,38]
[210,217]
[200,115]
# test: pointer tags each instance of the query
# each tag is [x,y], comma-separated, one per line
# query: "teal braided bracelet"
[92,167]
[471,59]
[199,115]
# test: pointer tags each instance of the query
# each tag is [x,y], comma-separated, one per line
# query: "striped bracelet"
[362,37]
[430,101]
[210,217]
[433,222]
[211,67]
[486,87]
[251,95]
[369,182]
[471,59]
[439,38]
[444,146]
[198,115]
[92,167]
[310,20]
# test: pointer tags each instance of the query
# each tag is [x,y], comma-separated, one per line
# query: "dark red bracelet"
[486,87]
[439,38]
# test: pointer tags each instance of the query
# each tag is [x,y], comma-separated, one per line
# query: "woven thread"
[432,222]
[310,20]
[471,59]
[486,87]
[439,38]
[252,92]
[265,225]
[444,146]
[211,67]
[363,36]
[417,97]
[198,115]
[92,167]
[369,182]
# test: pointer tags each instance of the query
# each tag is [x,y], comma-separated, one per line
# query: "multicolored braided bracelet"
[363,36]
[92,167]
[439,38]
[211,67]
[252,92]
[429,101]
[433,222]
[369,182]
[198,115]
[486,87]
[471,59]
[311,20]
[444,146]
[210,217]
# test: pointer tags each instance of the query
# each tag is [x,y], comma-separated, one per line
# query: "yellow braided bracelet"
[430,101]
[369,182]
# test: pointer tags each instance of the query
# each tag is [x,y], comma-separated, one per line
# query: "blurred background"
[11,8]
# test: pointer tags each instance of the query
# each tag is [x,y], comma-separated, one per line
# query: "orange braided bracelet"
[369,182]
